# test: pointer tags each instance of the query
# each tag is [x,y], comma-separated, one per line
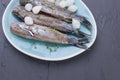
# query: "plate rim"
[43,58]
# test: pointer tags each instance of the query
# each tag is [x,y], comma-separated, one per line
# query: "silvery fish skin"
[58,12]
[42,33]
[48,21]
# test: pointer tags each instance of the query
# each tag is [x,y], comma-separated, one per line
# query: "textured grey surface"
[101,62]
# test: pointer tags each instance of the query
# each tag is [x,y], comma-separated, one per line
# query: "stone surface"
[101,62]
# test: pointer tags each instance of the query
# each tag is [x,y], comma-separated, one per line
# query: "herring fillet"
[45,34]
[58,12]
[48,21]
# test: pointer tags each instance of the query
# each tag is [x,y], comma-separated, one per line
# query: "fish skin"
[43,19]
[50,9]
[48,21]
[58,12]
[44,34]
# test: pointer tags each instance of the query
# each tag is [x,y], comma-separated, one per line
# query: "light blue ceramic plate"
[38,49]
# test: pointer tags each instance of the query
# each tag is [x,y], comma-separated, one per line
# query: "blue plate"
[38,49]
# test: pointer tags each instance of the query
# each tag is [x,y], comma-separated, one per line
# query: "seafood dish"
[56,11]
[41,33]
[48,21]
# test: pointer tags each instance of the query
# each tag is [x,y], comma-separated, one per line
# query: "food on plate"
[28,7]
[70,2]
[49,21]
[76,24]
[63,4]
[36,9]
[58,12]
[72,8]
[28,20]
[52,1]
[42,33]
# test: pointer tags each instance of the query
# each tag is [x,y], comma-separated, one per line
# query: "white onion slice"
[76,23]
[70,2]
[63,4]
[36,9]
[52,1]
[28,7]
[28,20]
[73,8]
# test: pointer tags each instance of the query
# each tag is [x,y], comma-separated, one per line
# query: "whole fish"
[58,12]
[42,33]
[48,21]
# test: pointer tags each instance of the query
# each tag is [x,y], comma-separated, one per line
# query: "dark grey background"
[101,62]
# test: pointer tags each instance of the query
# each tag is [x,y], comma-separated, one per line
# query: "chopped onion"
[52,1]
[63,4]
[28,7]
[76,23]
[23,26]
[36,9]
[70,2]
[28,20]
[72,8]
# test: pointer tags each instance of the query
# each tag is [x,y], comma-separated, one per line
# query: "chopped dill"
[38,17]
[53,48]
[27,1]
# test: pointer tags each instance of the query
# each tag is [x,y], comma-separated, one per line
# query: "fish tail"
[82,34]
[78,42]
[85,22]
[81,43]
[83,46]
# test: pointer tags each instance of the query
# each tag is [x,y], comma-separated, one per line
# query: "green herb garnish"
[52,49]
[27,1]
